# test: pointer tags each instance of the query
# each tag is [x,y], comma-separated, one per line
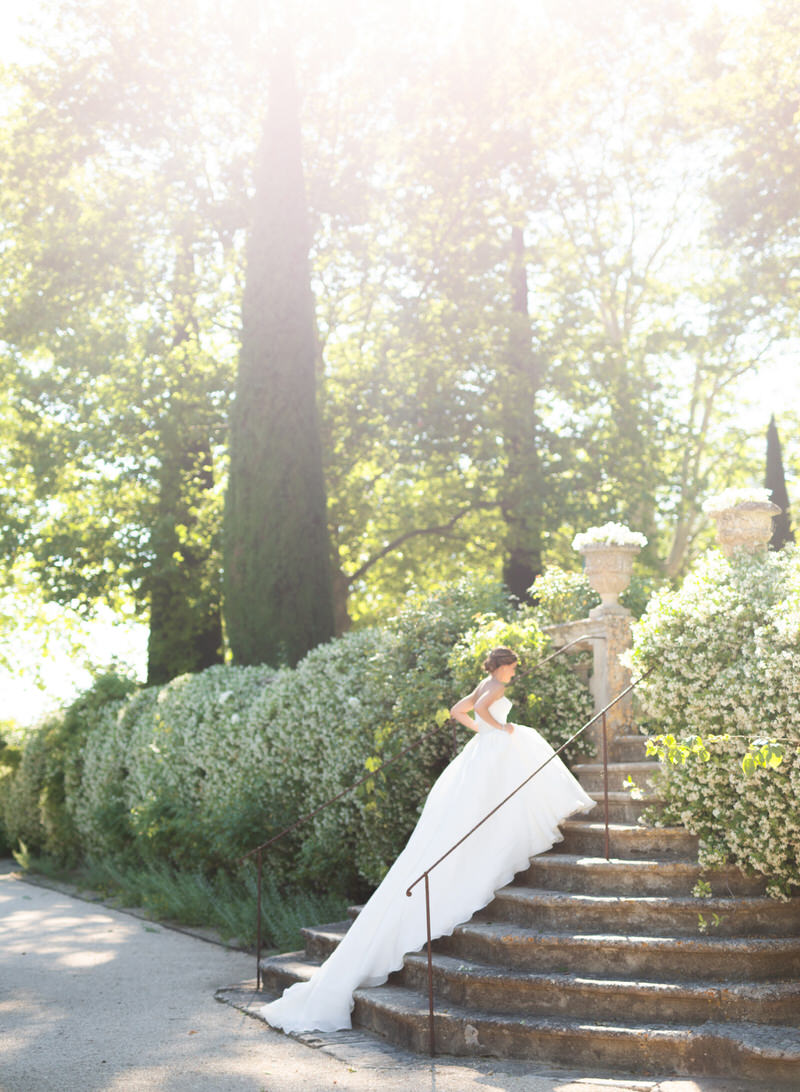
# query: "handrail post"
[431,1031]
[605,782]
[258,926]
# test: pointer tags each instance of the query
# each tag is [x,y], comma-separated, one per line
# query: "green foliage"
[33,803]
[117,377]
[21,791]
[724,697]
[564,596]
[10,758]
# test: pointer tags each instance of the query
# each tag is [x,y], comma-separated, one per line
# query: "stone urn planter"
[609,569]
[746,526]
[608,555]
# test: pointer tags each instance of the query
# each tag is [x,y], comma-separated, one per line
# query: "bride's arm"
[481,707]
[494,691]
[461,708]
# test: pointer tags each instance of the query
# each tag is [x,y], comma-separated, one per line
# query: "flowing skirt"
[391,924]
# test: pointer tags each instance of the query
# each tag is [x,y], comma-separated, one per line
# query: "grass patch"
[223,902]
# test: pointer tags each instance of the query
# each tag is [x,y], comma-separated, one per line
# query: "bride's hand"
[509,728]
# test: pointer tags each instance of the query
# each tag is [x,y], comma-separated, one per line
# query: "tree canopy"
[548,245]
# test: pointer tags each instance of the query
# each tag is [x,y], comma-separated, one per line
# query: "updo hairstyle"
[498,657]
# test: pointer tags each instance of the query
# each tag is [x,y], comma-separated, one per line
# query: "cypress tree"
[278,591]
[775,481]
[521,499]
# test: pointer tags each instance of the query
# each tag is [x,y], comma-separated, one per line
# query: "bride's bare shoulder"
[488,688]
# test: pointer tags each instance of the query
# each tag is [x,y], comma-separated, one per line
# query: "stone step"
[626,840]
[320,940]
[645,915]
[628,749]
[769,1054]
[505,990]
[664,958]
[278,972]
[596,875]
[590,775]
[657,958]
[622,807]
[766,1053]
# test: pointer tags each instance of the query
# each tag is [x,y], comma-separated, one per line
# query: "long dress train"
[392,924]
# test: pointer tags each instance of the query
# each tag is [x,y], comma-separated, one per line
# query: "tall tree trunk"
[776,482]
[278,592]
[522,495]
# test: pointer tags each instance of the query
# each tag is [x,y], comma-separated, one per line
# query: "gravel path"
[94,999]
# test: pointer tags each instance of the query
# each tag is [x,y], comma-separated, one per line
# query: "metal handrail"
[258,851]
[425,875]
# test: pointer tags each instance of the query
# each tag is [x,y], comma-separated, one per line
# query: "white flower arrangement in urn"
[608,554]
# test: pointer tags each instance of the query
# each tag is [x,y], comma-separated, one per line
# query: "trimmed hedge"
[195,773]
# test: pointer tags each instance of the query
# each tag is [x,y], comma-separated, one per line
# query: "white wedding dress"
[392,924]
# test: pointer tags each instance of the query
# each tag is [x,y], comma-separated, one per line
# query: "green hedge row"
[195,773]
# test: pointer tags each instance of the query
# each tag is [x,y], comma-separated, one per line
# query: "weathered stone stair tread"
[479,985]
[648,765]
[621,804]
[712,904]
[742,1050]
[593,823]
[592,774]
[751,913]
[290,967]
[669,958]
[627,839]
[747,1044]
[786,945]
[619,796]
[326,937]
[648,875]
[506,990]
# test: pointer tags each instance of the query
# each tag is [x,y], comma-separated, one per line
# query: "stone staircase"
[603,964]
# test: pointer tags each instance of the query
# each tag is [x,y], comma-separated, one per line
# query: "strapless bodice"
[499,710]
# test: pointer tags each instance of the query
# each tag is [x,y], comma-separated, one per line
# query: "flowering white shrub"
[726,652]
[170,768]
[610,534]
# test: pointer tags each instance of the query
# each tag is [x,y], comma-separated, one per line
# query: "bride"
[391,924]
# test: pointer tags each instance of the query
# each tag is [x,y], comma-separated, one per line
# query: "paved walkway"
[98,1000]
